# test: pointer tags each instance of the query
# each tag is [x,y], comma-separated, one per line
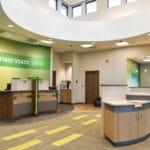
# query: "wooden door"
[54,79]
[144,122]
[128,126]
[91,86]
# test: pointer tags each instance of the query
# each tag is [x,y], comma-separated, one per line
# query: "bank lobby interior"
[74,74]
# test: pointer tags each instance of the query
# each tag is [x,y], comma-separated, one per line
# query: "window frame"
[56,6]
[74,6]
[112,6]
[87,2]
[66,6]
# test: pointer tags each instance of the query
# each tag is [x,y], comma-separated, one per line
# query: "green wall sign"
[20,61]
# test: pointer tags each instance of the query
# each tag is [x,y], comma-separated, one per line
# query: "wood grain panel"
[110,125]
[47,96]
[144,122]
[6,104]
[65,96]
[127,126]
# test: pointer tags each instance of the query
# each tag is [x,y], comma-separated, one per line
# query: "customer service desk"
[126,122]
[20,103]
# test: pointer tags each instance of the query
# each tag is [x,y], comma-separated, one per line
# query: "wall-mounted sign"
[20,61]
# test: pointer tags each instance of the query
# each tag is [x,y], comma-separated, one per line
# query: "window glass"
[64,9]
[76,11]
[91,6]
[53,4]
[113,3]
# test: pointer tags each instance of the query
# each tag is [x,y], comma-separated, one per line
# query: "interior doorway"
[54,79]
[91,86]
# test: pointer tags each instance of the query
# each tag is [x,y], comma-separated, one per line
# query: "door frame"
[85,83]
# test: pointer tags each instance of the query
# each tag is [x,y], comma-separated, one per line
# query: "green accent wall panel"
[20,60]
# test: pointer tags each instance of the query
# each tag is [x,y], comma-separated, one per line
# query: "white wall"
[62,67]
[68,69]
[112,72]
[59,67]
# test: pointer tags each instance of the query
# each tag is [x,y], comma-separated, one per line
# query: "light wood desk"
[126,122]
[19,103]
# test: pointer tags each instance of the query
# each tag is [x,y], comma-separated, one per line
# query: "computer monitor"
[8,86]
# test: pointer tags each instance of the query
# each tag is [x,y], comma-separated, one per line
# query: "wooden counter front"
[65,96]
[19,103]
[126,124]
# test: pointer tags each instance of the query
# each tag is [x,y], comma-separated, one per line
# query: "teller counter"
[15,104]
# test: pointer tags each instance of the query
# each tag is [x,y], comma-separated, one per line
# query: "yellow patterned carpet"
[73,127]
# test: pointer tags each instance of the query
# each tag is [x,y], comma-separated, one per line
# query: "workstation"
[126,122]
[23,100]
[125,117]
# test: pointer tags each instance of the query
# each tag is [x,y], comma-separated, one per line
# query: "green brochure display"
[35,81]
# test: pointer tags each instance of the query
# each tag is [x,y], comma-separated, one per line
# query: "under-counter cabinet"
[144,122]
[65,96]
[15,104]
[126,124]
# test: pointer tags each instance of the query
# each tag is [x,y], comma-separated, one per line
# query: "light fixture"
[10,26]
[145,70]
[86,45]
[47,42]
[146,60]
[121,43]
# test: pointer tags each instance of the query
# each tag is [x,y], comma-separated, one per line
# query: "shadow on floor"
[62,110]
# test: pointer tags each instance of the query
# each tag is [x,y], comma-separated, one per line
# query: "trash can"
[97,102]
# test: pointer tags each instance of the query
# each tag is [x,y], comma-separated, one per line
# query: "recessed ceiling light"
[122,43]
[86,45]
[47,42]
[145,70]
[10,26]
[146,60]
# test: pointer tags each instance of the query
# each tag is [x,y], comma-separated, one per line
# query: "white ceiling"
[18,34]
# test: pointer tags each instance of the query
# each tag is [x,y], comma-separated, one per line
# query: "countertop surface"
[126,102]
[139,94]
[9,91]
